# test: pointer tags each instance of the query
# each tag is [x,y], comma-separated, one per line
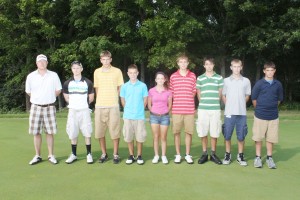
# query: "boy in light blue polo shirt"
[134,95]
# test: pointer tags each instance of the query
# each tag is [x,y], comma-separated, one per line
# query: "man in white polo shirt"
[43,86]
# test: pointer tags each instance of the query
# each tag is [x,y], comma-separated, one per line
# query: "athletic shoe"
[177,159]
[227,159]
[36,159]
[140,160]
[116,159]
[71,159]
[270,162]
[52,159]
[103,158]
[257,162]
[203,159]
[215,159]
[240,159]
[164,160]
[188,159]
[155,159]
[130,160]
[89,159]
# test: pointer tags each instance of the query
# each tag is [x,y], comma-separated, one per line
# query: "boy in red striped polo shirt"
[183,87]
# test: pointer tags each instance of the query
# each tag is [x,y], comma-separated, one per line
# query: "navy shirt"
[267,96]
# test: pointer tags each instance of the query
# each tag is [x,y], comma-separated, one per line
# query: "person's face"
[183,63]
[236,68]
[269,72]
[76,69]
[133,74]
[105,60]
[42,64]
[160,80]
[209,66]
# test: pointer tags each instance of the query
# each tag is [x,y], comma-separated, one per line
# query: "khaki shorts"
[265,129]
[186,121]
[79,120]
[135,128]
[107,118]
[209,121]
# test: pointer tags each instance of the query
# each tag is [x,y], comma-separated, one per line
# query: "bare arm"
[91,97]
[220,93]
[198,94]
[247,98]
[57,92]
[145,101]
[29,94]
[254,103]
[170,103]
[224,99]
[149,103]
[123,102]
[66,96]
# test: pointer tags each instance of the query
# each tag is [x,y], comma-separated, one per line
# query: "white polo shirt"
[42,88]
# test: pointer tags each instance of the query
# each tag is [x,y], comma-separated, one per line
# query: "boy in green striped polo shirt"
[209,89]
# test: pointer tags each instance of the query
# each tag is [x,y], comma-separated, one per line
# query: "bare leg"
[37,141]
[131,148]
[74,141]
[156,136]
[228,146]
[116,146]
[139,148]
[204,143]
[258,148]
[177,142]
[102,144]
[87,141]
[188,142]
[163,137]
[241,146]
[269,146]
[50,143]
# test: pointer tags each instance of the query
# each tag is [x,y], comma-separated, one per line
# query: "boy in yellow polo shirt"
[107,82]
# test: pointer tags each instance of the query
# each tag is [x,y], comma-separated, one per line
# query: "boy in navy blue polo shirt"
[267,93]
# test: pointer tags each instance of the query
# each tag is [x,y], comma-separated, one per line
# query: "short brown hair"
[269,64]
[105,53]
[182,56]
[237,61]
[133,66]
[210,59]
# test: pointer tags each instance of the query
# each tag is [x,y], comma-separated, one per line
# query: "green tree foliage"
[149,33]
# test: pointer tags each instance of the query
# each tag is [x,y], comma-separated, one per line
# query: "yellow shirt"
[106,84]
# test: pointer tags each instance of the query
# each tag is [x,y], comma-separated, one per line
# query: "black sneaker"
[103,158]
[203,159]
[140,160]
[130,160]
[215,159]
[116,159]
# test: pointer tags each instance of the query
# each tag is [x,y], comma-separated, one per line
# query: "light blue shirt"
[134,95]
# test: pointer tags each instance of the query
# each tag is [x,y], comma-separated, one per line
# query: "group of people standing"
[175,95]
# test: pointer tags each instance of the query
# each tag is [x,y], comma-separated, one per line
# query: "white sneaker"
[188,159]
[139,160]
[71,158]
[36,159]
[155,159]
[89,159]
[52,159]
[177,159]
[164,160]
[241,160]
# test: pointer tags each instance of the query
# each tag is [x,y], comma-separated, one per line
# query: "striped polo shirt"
[183,90]
[209,91]
[107,83]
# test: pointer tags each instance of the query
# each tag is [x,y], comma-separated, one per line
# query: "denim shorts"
[162,120]
[237,121]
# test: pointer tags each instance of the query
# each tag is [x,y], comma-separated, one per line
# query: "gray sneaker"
[271,164]
[257,162]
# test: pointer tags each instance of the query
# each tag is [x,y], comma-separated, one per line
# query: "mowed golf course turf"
[19,180]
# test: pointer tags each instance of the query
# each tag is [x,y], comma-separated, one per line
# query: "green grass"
[19,180]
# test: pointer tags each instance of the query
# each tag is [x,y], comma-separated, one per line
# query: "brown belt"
[45,105]
[159,115]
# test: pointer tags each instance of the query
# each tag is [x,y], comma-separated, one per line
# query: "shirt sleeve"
[145,91]
[248,87]
[280,92]
[255,91]
[120,78]
[57,83]
[90,86]
[27,85]
[224,91]
[65,87]
[122,91]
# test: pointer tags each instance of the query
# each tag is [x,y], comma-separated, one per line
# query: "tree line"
[150,33]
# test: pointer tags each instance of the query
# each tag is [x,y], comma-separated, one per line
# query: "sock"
[204,153]
[258,156]
[74,147]
[227,153]
[88,148]
[213,152]
[269,157]
[241,154]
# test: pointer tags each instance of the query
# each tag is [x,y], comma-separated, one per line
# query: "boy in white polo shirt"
[236,93]
[79,93]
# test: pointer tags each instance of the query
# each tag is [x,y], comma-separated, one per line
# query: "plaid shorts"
[42,118]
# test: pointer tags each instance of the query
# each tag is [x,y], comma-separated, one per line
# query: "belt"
[159,115]
[45,105]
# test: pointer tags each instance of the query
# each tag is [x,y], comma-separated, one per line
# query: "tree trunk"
[28,104]
[257,76]
[142,72]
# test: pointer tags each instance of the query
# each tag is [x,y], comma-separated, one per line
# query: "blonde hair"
[182,56]
[105,54]
[238,61]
